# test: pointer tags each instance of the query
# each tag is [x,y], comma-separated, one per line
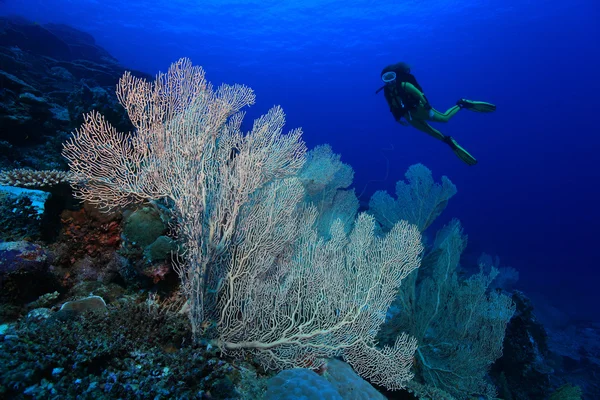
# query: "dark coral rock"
[157,272]
[160,250]
[88,232]
[73,308]
[86,248]
[110,292]
[523,372]
[45,301]
[222,389]
[22,257]
[146,247]
[31,214]
[24,274]
[130,352]
[81,45]
[52,74]
[576,356]
[32,37]
[19,219]
[143,227]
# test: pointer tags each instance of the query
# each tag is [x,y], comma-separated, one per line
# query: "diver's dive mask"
[388,77]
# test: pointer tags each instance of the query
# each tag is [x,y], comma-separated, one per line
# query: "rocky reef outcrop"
[50,75]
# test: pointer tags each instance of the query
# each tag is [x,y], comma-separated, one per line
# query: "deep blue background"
[533,197]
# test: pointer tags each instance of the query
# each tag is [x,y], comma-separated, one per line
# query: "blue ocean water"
[533,197]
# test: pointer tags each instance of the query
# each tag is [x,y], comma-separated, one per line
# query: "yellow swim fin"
[477,106]
[459,151]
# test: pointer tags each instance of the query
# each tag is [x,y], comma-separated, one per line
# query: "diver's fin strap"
[450,141]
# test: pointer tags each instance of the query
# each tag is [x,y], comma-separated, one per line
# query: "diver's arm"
[410,89]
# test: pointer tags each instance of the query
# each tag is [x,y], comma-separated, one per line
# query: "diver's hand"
[403,123]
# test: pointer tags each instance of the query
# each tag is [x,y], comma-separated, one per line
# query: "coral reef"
[133,350]
[50,75]
[523,372]
[22,177]
[106,342]
[87,246]
[20,214]
[24,273]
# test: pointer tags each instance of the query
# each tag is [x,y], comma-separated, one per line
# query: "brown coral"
[89,233]
[86,246]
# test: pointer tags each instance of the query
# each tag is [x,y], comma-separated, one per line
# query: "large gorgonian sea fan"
[253,261]
[188,147]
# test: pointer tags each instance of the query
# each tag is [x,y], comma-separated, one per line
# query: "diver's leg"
[433,115]
[444,117]
[423,126]
[463,154]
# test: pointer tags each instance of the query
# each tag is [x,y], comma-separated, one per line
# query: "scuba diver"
[407,100]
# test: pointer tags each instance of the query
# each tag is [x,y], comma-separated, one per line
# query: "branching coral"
[33,179]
